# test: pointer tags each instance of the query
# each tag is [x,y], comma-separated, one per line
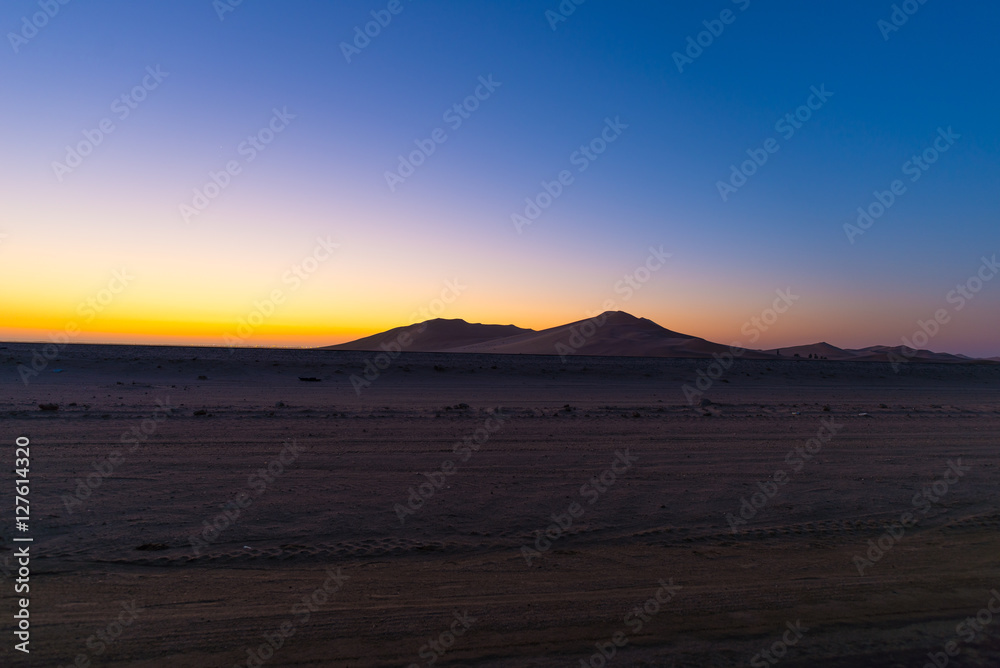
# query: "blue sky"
[656,184]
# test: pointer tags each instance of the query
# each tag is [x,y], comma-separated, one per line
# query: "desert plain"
[208,507]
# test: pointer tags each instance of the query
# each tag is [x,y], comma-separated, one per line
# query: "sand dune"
[433,336]
[895,353]
[613,333]
[610,334]
[869,354]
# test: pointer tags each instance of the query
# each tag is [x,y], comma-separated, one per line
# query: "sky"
[305,173]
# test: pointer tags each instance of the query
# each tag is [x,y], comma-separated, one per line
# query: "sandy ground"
[129,557]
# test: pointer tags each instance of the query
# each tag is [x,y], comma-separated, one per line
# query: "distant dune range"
[611,334]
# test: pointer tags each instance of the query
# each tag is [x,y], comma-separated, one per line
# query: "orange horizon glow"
[362,290]
[313,334]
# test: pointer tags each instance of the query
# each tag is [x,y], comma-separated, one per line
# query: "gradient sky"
[323,176]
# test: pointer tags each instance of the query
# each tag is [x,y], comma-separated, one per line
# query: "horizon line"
[223,344]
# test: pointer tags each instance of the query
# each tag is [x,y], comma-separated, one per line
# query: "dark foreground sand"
[457,561]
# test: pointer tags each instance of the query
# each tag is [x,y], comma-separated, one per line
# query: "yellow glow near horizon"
[201,286]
